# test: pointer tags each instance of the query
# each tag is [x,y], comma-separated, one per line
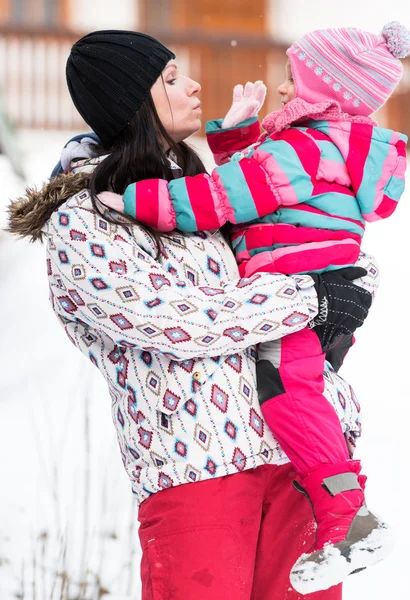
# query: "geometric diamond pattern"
[219,398]
[153,382]
[256,422]
[175,337]
[286,292]
[246,390]
[127,294]
[266,327]
[239,459]
[202,436]
[295,318]
[231,430]
[170,400]
[192,474]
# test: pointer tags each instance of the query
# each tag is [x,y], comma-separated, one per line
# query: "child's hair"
[356,69]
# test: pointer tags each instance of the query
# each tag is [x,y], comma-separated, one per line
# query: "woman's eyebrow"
[172,66]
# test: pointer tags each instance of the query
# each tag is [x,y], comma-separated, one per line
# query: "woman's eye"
[172,81]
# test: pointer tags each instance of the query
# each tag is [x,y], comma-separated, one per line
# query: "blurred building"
[218,42]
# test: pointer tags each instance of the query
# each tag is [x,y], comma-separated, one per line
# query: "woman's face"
[286,90]
[176,100]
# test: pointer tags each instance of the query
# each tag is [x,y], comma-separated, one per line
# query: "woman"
[173,331]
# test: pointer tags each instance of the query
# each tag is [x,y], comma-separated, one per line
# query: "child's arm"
[380,177]
[240,128]
[226,142]
[278,172]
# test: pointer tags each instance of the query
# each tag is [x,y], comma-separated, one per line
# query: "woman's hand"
[343,305]
[246,103]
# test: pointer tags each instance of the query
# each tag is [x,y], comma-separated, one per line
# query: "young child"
[301,195]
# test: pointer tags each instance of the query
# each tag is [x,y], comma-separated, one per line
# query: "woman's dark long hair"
[136,154]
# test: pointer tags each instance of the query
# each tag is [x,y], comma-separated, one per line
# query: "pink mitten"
[246,103]
[112,200]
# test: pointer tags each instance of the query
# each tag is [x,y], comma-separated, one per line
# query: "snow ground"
[65,502]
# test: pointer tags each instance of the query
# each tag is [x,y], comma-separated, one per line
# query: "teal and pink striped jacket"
[298,199]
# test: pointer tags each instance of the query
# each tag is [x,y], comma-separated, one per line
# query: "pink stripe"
[146,210]
[265,197]
[265,236]
[223,209]
[358,152]
[338,171]
[166,215]
[306,149]
[304,258]
[307,208]
[386,207]
[243,255]
[312,246]
[340,133]
[326,47]
[276,177]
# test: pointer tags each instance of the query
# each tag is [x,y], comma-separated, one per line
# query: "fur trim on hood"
[28,214]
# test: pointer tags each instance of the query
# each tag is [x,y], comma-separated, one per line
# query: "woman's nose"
[194,87]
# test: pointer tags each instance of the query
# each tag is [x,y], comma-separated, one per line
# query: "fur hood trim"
[28,215]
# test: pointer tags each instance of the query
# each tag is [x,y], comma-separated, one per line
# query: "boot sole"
[337,563]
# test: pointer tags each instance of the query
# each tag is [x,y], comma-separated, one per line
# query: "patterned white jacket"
[175,340]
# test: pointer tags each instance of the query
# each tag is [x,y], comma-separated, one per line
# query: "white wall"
[289,19]
[106,14]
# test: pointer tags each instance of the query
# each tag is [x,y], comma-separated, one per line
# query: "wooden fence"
[32,72]
[34,92]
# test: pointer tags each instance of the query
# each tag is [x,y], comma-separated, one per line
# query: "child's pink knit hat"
[359,70]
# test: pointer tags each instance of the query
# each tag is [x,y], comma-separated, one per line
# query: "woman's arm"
[114,287]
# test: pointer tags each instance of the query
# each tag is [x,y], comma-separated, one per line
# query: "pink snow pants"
[291,395]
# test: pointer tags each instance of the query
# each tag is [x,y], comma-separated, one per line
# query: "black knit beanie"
[110,74]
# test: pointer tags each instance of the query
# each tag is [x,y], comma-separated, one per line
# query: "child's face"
[286,90]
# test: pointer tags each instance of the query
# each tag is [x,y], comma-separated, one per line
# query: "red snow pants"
[290,390]
[231,538]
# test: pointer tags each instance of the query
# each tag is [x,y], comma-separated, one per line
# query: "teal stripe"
[239,244]
[395,188]
[328,268]
[216,126]
[308,219]
[129,199]
[329,151]
[322,126]
[372,173]
[255,251]
[237,190]
[339,205]
[182,205]
[289,162]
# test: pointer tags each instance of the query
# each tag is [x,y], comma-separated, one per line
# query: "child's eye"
[172,81]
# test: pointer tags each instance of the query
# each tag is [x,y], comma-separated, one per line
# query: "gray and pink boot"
[349,537]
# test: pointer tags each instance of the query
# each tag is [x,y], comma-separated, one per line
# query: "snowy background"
[66,510]
[68,526]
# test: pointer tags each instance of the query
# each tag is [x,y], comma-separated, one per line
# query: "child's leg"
[348,536]
[290,388]
[287,529]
